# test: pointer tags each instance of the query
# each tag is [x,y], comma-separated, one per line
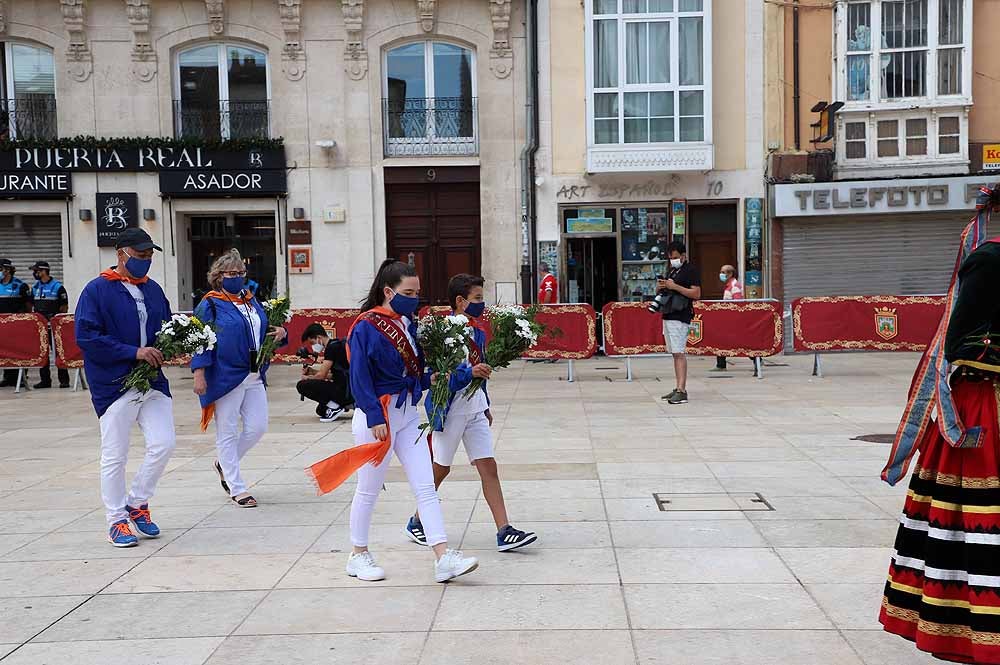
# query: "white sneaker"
[363,567]
[453,564]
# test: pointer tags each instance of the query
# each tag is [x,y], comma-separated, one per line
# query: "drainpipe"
[795,73]
[529,216]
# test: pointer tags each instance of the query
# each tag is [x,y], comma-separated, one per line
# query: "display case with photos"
[645,236]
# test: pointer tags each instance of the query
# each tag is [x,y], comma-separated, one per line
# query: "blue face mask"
[475,309]
[138,267]
[233,284]
[405,305]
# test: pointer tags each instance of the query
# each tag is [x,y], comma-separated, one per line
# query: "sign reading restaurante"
[34,172]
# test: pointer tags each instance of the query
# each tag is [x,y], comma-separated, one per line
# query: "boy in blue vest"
[48,298]
[117,320]
[468,419]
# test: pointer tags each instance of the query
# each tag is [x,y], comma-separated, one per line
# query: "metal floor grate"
[712,502]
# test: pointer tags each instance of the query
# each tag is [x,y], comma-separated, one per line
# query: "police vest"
[46,297]
[12,300]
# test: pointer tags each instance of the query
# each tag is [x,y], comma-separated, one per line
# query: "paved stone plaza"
[612,579]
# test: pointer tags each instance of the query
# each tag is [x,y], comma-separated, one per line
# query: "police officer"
[15,298]
[49,298]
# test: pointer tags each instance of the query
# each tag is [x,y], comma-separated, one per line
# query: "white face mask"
[675,263]
[317,348]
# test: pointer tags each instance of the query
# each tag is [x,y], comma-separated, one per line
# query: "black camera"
[308,357]
[657,304]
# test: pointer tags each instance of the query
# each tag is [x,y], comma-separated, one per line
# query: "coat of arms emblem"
[886,323]
[696,331]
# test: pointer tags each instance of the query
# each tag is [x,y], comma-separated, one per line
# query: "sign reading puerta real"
[183,171]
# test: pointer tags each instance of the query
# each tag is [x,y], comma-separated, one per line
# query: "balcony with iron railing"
[222,120]
[29,116]
[431,126]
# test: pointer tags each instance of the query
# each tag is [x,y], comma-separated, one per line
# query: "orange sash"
[330,473]
[208,412]
[113,276]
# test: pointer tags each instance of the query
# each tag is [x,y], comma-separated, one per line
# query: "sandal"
[222,478]
[246,501]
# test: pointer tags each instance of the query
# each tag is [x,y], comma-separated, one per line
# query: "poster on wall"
[679,215]
[753,269]
[115,213]
[300,259]
[548,253]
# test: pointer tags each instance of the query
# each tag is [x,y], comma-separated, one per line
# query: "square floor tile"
[686,533]
[112,617]
[743,647]
[191,651]
[850,606]
[249,540]
[843,565]
[567,647]
[702,566]
[722,606]
[829,533]
[224,572]
[60,578]
[351,610]
[531,608]
[23,618]
[354,649]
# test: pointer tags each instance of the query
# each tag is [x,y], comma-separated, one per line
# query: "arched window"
[222,91]
[27,91]
[430,100]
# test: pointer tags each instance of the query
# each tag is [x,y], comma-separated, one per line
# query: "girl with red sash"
[388,379]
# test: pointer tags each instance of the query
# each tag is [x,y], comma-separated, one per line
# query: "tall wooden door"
[712,244]
[434,224]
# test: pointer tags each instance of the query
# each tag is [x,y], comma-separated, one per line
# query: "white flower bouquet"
[279,312]
[444,340]
[514,330]
[180,336]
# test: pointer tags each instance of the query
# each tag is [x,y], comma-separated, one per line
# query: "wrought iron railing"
[224,120]
[430,126]
[28,116]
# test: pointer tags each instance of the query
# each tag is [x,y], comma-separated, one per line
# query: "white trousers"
[249,402]
[154,412]
[410,446]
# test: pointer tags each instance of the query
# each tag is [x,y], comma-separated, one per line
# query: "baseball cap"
[40,265]
[136,238]
[5,263]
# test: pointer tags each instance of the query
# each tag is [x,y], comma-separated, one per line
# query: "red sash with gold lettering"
[396,337]
[475,353]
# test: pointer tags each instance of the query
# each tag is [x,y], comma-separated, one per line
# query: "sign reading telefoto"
[877,196]
[184,171]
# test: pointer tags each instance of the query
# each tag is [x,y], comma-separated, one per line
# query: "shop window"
[222,91]
[645,236]
[904,62]
[429,100]
[27,92]
[649,84]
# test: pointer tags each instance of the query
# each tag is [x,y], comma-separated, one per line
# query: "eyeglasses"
[234,273]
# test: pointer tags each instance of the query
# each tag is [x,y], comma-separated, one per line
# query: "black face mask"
[36,275]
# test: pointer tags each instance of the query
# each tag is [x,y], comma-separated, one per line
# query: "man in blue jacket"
[117,319]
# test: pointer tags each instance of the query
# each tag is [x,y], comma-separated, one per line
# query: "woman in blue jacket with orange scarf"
[228,380]
[388,379]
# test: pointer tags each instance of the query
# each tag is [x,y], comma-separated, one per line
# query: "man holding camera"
[683,284]
[329,385]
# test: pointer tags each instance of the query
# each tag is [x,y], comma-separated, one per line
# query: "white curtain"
[606,54]
[692,48]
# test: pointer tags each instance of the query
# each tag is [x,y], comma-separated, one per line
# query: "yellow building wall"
[815,70]
[569,85]
[984,118]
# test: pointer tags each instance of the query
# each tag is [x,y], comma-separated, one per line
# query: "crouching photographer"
[328,385]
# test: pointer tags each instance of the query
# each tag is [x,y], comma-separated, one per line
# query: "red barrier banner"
[336,321]
[729,328]
[24,340]
[865,323]
[68,354]
[573,336]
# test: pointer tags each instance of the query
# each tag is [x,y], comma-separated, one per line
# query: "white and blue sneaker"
[415,532]
[120,535]
[509,538]
[142,520]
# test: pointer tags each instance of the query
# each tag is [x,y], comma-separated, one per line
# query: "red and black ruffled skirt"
[943,590]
